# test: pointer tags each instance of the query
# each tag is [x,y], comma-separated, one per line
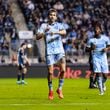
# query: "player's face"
[53,16]
[97,30]
[25,46]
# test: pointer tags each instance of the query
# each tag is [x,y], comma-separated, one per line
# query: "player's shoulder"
[60,25]
[91,39]
[20,50]
[104,36]
[44,24]
[56,23]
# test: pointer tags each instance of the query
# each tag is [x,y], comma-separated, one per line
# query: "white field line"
[48,104]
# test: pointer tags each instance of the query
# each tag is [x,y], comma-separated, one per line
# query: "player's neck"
[97,36]
[51,22]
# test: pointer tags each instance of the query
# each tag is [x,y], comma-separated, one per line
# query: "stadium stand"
[7,25]
[78,17]
[10,24]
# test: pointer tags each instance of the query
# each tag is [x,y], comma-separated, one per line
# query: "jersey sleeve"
[21,53]
[61,26]
[107,41]
[89,43]
[41,29]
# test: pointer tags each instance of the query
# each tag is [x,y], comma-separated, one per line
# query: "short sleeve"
[89,43]
[107,41]
[61,26]
[41,29]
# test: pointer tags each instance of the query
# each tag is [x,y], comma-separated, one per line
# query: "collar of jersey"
[52,23]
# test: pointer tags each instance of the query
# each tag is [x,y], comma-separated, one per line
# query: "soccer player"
[23,62]
[52,31]
[99,46]
[92,78]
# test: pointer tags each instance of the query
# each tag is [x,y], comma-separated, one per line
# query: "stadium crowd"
[78,17]
[7,30]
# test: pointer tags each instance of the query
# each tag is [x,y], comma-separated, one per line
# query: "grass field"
[33,96]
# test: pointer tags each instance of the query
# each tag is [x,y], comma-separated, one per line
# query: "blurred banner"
[40,71]
[25,35]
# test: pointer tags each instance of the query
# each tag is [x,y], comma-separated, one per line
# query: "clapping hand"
[93,46]
[105,50]
[54,31]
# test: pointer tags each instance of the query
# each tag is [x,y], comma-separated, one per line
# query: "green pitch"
[33,96]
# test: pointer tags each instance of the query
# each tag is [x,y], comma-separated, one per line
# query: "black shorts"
[91,66]
[20,67]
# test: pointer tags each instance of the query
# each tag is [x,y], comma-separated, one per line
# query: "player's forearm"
[39,36]
[62,32]
[88,49]
[106,49]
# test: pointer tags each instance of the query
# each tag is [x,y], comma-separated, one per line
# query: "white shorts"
[54,58]
[100,67]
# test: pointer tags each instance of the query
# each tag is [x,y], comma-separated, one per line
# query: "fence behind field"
[40,71]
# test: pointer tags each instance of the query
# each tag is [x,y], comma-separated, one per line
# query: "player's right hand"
[47,29]
[93,46]
[105,50]
[39,36]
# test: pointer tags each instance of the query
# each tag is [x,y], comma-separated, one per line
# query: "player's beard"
[52,20]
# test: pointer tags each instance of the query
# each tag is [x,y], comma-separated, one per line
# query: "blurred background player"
[92,78]
[52,31]
[23,62]
[99,45]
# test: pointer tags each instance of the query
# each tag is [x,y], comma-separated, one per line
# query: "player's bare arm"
[89,49]
[27,61]
[39,36]
[61,32]
[106,49]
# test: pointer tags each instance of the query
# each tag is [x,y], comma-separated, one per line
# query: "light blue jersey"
[100,63]
[53,42]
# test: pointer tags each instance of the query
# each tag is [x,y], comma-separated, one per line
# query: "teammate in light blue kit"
[52,31]
[99,45]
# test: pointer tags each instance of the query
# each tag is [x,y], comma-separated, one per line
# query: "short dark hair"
[52,10]
[97,24]
[23,44]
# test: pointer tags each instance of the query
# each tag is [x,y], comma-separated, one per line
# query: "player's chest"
[99,43]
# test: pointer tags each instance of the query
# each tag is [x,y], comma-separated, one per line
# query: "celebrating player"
[52,31]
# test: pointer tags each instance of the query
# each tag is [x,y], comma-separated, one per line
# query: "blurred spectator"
[9,25]
[14,59]
[2,32]
[4,51]
[58,6]
[78,17]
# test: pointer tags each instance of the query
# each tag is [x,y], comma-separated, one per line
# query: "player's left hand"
[39,36]
[29,64]
[93,46]
[54,31]
[105,50]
